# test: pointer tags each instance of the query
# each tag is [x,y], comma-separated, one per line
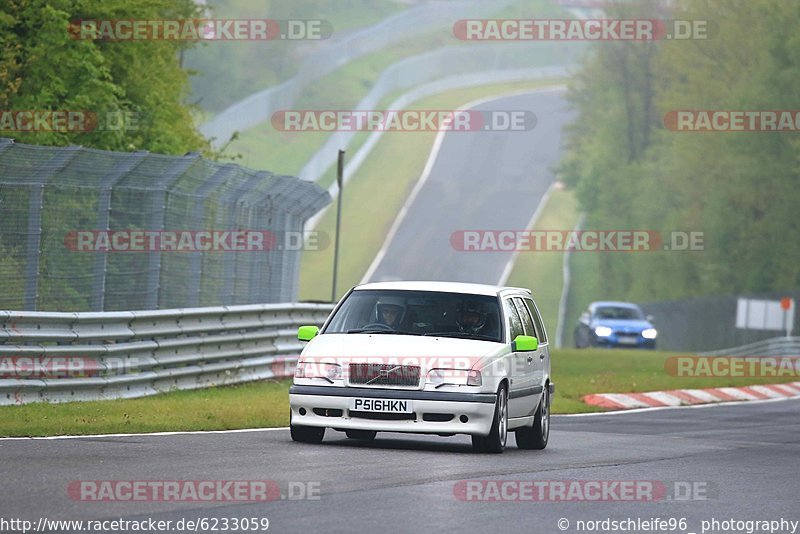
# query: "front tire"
[306,434]
[537,435]
[495,442]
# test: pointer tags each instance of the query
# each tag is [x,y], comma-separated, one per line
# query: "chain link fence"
[91,230]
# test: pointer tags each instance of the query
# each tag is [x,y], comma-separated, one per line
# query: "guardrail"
[63,357]
[259,107]
[777,346]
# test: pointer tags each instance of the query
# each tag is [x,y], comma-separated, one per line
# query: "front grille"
[380,374]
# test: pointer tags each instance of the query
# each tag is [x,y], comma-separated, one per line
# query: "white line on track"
[559,416]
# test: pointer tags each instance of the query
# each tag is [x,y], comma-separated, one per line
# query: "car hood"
[428,352]
[625,325]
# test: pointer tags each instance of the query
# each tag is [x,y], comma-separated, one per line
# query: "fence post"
[35,207]
[126,164]
[157,217]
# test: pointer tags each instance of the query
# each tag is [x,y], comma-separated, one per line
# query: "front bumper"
[614,341]
[329,406]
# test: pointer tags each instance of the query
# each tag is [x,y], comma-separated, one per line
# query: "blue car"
[615,324]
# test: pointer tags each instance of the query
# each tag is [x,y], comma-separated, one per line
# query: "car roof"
[445,287]
[614,303]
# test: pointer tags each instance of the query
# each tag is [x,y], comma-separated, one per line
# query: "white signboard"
[764,315]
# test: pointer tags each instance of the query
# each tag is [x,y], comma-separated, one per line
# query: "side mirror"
[650,318]
[524,344]
[584,317]
[307,333]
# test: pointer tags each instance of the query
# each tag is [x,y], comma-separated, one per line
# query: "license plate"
[380,405]
[628,340]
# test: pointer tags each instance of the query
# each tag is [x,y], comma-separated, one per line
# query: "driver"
[470,317]
[390,311]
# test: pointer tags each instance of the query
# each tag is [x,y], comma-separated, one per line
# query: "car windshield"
[418,313]
[618,312]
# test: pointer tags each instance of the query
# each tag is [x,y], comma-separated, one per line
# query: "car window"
[525,316]
[418,313]
[513,319]
[537,319]
[618,312]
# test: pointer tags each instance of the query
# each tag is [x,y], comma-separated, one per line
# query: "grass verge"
[540,271]
[265,404]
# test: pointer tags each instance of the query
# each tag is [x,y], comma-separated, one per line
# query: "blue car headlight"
[602,331]
[649,333]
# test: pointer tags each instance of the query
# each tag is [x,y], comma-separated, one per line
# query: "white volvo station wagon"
[426,357]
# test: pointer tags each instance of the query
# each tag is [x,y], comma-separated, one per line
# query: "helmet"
[470,317]
[387,305]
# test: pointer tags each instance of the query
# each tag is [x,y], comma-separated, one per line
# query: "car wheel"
[306,434]
[361,434]
[495,442]
[537,435]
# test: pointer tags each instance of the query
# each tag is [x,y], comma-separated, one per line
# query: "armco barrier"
[134,354]
[259,107]
[773,347]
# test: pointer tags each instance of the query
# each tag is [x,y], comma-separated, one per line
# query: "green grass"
[229,71]
[541,271]
[264,147]
[255,404]
[265,404]
[376,193]
[582,372]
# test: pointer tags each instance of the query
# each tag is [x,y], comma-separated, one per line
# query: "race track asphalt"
[483,180]
[744,458]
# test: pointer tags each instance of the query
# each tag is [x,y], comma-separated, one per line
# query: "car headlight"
[602,331]
[455,377]
[329,371]
[649,333]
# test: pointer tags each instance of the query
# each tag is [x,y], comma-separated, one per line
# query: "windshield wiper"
[462,335]
[370,331]
[378,331]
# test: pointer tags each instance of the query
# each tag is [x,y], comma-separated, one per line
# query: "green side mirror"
[525,344]
[307,333]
